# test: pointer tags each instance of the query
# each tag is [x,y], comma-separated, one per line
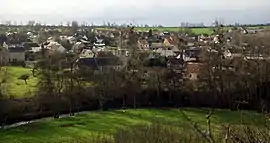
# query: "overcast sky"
[165,12]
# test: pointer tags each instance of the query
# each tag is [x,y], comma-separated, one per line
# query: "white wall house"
[15,53]
[99,43]
[17,56]
[56,47]
[166,51]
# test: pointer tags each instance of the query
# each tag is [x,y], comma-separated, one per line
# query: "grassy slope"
[83,127]
[17,88]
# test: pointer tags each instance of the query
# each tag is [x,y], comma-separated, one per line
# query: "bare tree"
[24,77]
[74,26]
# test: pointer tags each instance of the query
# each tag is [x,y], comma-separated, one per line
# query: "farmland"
[175,29]
[83,127]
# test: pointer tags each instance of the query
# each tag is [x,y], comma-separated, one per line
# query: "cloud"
[147,11]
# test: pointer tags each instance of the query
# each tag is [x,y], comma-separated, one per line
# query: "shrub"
[183,133]
[154,133]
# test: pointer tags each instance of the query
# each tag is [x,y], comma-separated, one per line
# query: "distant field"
[82,128]
[195,30]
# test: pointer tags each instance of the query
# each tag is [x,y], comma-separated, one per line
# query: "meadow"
[16,87]
[86,127]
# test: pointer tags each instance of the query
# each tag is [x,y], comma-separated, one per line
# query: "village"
[98,49]
[126,71]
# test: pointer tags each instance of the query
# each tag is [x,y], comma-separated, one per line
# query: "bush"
[248,134]
[183,133]
[154,133]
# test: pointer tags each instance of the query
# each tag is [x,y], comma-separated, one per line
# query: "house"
[248,31]
[163,49]
[16,54]
[99,43]
[30,50]
[165,33]
[166,51]
[175,64]
[143,44]
[3,38]
[192,54]
[170,41]
[216,39]
[117,51]
[193,70]
[259,57]
[71,39]
[101,64]
[78,46]
[204,38]
[87,53]
[54,47]
[31,46]
[190,44]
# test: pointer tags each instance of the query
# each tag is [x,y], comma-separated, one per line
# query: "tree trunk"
[134,100]
[4,123]
[124,101]
[170,95]
[70,111]
[56,115]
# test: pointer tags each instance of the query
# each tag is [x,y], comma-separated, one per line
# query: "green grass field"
[195,30]
[17,87]
[84,127]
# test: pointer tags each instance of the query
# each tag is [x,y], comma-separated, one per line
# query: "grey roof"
[84,41]
[95,62]
[99,40]
[30,44]
[16,49]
